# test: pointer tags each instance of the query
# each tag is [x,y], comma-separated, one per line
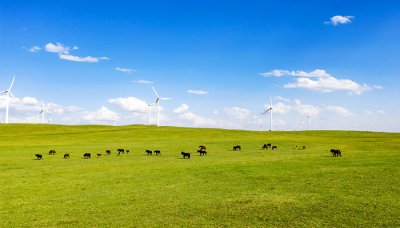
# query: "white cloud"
[237,112]
[279,108]
[34,49]
[369,112]
[378,87]
[199,121]
[339,110]
[125,70]
[102,114]
[143,82]
[132,104]
[306,109]
[318,80]
[338,19]
[181,109]
[57,48]
[87,59]
[282,99]
[197,92]
[329,84]
[64,53]
[313,74]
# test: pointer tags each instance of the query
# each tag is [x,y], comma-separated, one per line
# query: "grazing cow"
[38,156]
[52,152]
[99,155]
[274,147]
[108,152]
[265,147]
[127,151]
[157,152]
[336,153]
[66,156]
[202,147]
[237,147]
[185,155]
[202,152]
[149,152]
[120,151]
[86,155]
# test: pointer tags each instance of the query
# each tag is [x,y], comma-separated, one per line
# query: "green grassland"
[247,188]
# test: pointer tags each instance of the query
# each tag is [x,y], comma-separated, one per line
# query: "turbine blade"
[165,98]
[12,82]
[10,94]
[154,90]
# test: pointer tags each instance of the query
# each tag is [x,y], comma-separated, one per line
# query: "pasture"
[250,187]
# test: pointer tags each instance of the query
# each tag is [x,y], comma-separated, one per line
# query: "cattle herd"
[186,155]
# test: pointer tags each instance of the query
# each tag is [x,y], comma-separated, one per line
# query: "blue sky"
[220,61]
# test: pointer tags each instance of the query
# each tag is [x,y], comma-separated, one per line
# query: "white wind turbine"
[8,94]
[158,98]
[42,111]
[270,113]
[308,118]
[149,110]
[301,126]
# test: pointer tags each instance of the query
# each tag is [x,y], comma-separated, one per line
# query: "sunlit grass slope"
[251,187]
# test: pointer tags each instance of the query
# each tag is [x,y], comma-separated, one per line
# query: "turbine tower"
[270,113]
[8,94]
[158,98]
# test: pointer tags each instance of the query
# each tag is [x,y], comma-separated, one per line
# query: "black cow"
[66,156]
[274,147]
[120,151]
[157,152]
[336,152]
[127,151]
[266,146]
[52,152]
[237,147]
[99,155]
[202,152]
[201,147]
[86,155]
[38,156]
[149,152]
[108,152]
[185,155]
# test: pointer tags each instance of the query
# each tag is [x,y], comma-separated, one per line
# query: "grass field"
[247,188]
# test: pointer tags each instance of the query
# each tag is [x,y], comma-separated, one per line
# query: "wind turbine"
[301,126]
[42,111]
[270,113]
[308,118]
[158,98]
[8,94]
[149,110]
